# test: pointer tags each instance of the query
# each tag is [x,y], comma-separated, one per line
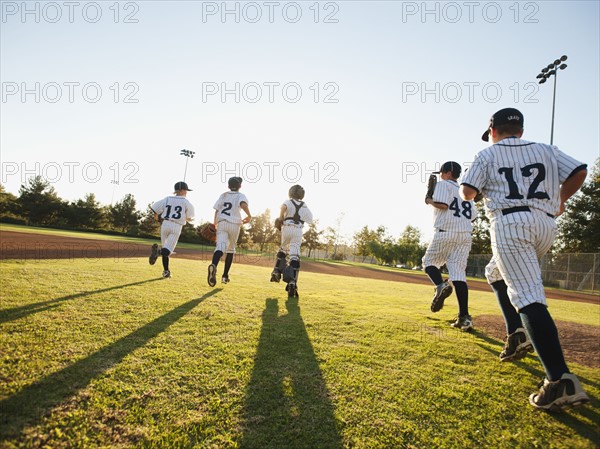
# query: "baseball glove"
[278,223]
[478,197]
[431,185]
[208,232]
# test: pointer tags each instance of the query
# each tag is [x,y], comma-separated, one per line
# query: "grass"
[109,355]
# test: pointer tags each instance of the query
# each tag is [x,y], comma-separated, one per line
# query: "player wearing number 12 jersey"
[525,185]
[228,220]
[173,212]
[451,243]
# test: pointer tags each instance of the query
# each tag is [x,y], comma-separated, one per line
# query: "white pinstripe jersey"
[304,212]
[228,206]
[515,172]
[174,208]
[459,215]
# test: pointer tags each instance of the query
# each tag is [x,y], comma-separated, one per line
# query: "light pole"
[547,72]
[115,183]
[188,154]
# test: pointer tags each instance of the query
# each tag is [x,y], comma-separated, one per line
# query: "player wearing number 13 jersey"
[451,243]
[228,221]
[524,186]
[173,212]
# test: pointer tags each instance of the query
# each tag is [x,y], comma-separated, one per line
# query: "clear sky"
[356,101]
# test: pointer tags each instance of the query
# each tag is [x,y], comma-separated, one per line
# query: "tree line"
[38,204]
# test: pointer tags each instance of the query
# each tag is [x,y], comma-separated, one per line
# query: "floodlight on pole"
[547,72]
[188,154]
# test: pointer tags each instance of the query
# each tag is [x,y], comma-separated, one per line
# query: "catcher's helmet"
[296,192]
[235,183]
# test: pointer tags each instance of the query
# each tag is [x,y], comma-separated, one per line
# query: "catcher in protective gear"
[294,213]
[208,232]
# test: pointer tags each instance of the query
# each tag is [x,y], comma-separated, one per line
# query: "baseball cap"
[503,117]
[452,166]
[182,186]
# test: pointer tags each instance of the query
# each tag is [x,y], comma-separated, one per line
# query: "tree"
[312,238]
[148,224]
[123,215]
[39,203]
[85,214]
[482,243]
[9,208]
[262,230]
[361,242]
[578,225]
[409,248]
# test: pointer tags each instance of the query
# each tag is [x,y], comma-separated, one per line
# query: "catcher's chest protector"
[296,217]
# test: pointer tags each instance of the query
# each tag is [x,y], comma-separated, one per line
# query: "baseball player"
[228,220]
[173,212]
[451,243]
[524,186]
[292,216]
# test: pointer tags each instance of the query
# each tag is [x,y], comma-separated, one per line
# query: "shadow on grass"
[22,311]
[287,403]
[29,405]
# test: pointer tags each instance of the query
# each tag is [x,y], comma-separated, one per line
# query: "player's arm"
[467,192]
[215,218]
[570,187]
[282,212]
[245,208]
[435,204]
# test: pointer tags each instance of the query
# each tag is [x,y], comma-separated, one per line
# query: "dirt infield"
[581,343]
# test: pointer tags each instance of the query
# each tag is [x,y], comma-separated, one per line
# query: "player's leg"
[169,239]
[233,233]
[220,246]
[295,242]
[281,260]
[457,266]
[435,256]
[517,343]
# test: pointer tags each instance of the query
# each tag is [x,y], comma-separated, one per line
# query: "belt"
[512,210]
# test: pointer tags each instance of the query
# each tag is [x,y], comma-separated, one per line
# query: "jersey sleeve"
[190,213]
[218,203]
[243,199]
[158,207]
[567,165]
[475,176]
[307,216]
[442,194]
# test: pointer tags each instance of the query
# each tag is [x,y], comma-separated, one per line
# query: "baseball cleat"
[212,275]
[166,274]
[275,276]
[516,347]
[464,323]
[153,254]
[556,396]
[442,291]
[292,290]
[225,280]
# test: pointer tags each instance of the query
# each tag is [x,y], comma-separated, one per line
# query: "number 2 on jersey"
[227,208]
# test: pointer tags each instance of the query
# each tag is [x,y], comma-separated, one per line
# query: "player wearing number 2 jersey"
[228,220]
[451,243]
[173,212]
[524,186]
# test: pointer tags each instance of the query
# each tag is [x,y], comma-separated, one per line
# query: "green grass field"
[107,354]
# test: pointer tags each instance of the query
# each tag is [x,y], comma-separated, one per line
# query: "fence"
[571,271]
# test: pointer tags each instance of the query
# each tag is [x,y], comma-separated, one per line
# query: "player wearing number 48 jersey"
[173,212]
[524,186]
[228,221]
[451,243]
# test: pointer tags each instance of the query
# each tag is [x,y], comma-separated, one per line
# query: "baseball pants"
[291,240]
[450,248]
[227,236]
[169,234]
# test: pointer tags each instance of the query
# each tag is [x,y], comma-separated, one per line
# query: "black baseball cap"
[452,166]
[182,186]
[503,117]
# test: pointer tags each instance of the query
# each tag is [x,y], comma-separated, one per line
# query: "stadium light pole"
[547,72]
[115,183]
[188,154]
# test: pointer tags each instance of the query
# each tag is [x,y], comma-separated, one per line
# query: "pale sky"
[356,101]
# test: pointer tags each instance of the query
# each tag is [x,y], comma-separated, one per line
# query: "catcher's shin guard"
[290,274]
[280,263]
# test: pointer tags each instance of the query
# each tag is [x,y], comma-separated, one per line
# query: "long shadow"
[287,403]
[22,311]
[27,406]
